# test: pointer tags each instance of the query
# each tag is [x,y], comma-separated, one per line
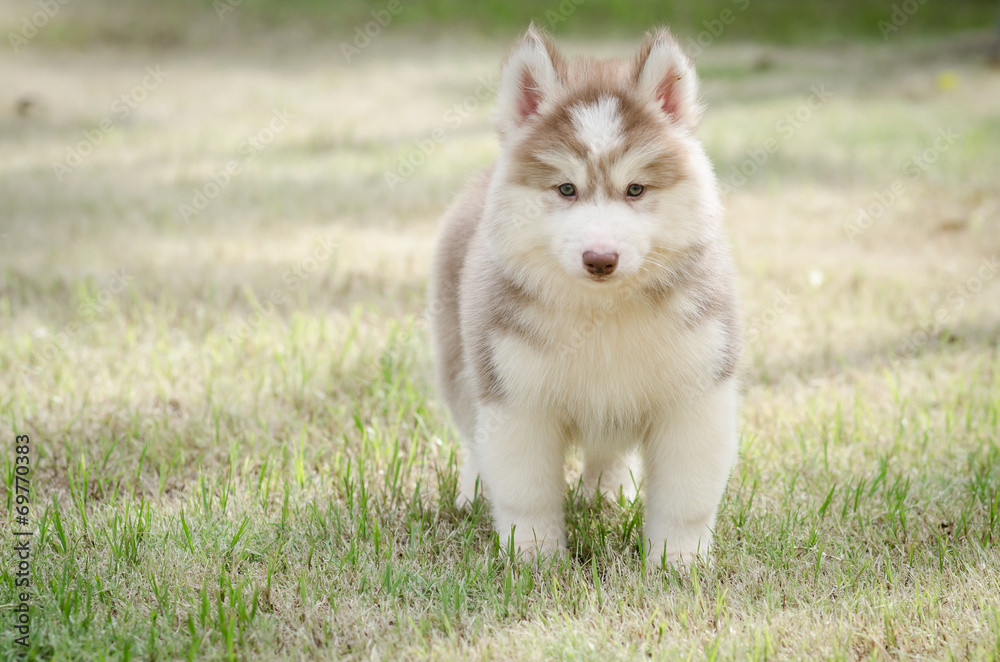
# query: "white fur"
[613,374]
[598,125]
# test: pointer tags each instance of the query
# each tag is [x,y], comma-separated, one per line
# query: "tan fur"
[457,230]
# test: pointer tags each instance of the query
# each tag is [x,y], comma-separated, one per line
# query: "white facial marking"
[598,125]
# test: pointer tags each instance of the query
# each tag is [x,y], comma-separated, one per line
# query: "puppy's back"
[458,228]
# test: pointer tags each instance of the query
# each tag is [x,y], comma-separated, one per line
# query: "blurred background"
[189,23]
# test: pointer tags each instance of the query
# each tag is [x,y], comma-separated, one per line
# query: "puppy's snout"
[600,264]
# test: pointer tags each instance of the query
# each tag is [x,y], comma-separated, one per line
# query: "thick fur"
[535,353]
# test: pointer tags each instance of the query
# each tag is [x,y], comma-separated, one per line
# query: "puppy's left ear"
[665,74]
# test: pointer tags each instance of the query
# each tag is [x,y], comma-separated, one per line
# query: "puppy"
[584,295]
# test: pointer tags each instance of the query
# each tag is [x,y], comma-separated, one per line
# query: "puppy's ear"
[529,76]
[665,74]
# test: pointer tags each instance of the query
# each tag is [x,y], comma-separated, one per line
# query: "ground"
[213,264]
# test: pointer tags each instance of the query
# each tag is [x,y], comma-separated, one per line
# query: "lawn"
[215,235]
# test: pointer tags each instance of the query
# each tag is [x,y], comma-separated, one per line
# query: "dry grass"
[212,483]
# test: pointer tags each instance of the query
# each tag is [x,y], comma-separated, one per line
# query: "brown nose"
[600,264]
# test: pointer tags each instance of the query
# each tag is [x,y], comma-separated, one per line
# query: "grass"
[219,477]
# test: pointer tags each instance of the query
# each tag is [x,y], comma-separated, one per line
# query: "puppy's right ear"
[528,77]
[665,74]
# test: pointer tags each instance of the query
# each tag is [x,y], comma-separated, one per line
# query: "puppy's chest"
[608,361]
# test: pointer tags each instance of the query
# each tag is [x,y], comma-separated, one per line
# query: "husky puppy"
[583,294]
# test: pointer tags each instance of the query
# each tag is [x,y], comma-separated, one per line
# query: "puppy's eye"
[635,190]
[567,190]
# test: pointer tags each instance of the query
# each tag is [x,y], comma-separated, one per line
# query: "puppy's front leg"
[688,456]
[521,455]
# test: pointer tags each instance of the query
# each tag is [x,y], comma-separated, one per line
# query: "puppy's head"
[600,177]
